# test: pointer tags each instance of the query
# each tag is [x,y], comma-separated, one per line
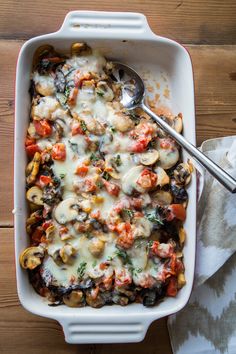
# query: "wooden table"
[208,30]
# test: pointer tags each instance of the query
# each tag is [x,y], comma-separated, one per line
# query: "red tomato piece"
[147,179]
[29,141]
[32,149]
[77,129]
[42,127]
[59,152]
[45,180]
[82,170]
[176,211]
[112,188]
[172,287]
[46,224]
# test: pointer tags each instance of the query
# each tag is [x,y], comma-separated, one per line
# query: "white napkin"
[207,325]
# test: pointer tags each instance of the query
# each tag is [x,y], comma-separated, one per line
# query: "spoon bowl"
[133,94]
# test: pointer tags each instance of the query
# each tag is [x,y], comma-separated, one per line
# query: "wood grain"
[187,21]
[22,332]
[215,91]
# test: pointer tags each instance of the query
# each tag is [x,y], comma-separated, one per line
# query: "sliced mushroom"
[67,252]
[35,196]
[149,158]
[31,257]
[169,154]
[96,247]
[182,173]
[129,180]
[162,176]
[33,220]
[80,49]
[142,227]
[182,236]
[92,301]
[33,168]
[94,126]
[122,122]
[74,299]
[161,197]
[181,281]
[42,51]
[50,233]
[104,91]
[67,210]
[178,123]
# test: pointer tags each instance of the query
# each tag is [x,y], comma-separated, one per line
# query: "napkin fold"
[207,324]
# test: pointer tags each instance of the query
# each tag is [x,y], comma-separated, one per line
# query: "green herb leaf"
[153,217]
[62,175]
[94,157]
[94,264]
[117,160]
[110,258]
[100,93]
[74,147]
[81,269]
[113,129]
[106,175]
[67,92]
[124,256]
[83,125]
[99,184]
[128,212]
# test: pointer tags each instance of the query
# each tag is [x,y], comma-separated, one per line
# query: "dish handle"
[103,24]
[112,330]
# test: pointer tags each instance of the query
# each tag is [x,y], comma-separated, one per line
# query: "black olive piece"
[95,224]
[32,89]
[149,298]
[179,193]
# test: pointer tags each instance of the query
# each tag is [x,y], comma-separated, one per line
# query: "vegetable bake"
[105,187]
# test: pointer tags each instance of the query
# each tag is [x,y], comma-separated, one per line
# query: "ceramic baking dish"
[125,37]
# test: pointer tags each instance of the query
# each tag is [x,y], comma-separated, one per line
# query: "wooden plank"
[22,332]
[187,21]
[215,90]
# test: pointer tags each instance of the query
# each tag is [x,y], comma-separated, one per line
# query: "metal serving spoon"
[133,92]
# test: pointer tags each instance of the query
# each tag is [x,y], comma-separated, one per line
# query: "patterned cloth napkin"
[207,325]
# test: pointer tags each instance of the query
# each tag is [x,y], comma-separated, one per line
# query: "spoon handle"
[223,177]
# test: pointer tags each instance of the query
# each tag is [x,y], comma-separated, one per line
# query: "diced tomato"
[32,149]
[59,152]
[103,265]
[37,234]
[172,287]
[147,281]
[122,278]
[176,211]
[63,230]
[45,180]
[95,214]
[112,188]
[107,282]
[126,238]
[42,127]
[140,144]
[163,250]
[73,95]
[90,185]
[165,144]
[29,141]
[77,129]
[46,224]
[82,170]
[147,179]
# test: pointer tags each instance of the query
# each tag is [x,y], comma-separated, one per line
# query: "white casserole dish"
[125,37]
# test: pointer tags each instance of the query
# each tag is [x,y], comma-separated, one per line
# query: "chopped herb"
[153,217]
[113,129]
[81,269]
[133,116]
[83,125]
[99,184]
[62,175]
[94,157]
[110,258]
[94,264]
[74,147]
[129,212]
[100,93]
[139,243]
[149,244]
[106,175]
[125,258]
[135,271]
[88,235]
[67,92]
[117,160]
